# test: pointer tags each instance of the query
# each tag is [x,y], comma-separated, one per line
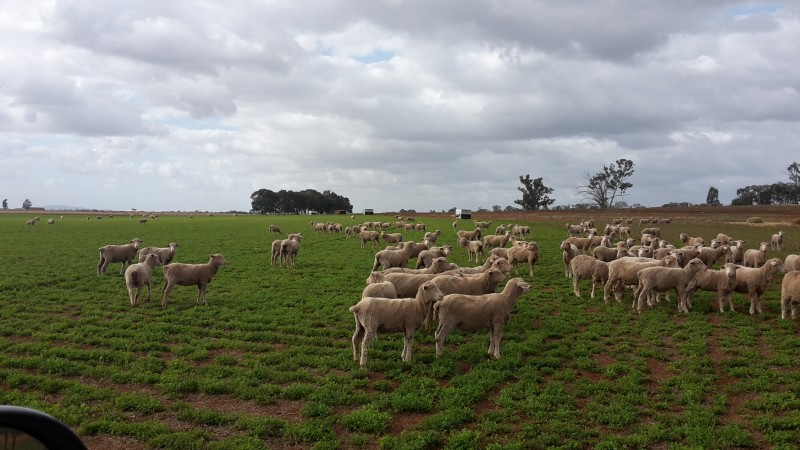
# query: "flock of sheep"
[653,266]
[138,276]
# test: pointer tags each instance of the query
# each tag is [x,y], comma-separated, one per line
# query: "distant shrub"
[754,220]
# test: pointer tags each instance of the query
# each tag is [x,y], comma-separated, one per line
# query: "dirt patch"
[101,442]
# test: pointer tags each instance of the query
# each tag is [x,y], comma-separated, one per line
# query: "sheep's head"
[218,260]
[730,270]
[136,242]
[776,265]
[696,265]
[431,292]
[521,284]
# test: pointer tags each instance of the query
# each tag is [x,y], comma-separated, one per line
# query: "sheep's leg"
[148,293]
[642,296]
[369,336]
[408,341]
[532,265]
[784,307]
[165,294]
[100,266]
[595,282]
[132,296]
[441,335]
[575,286]
[358,336]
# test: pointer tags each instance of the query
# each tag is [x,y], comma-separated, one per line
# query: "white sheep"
[394,258]
[574,230]
[652,230]
[724,238]
[755,281]
[473,248]
[790,293]
[721,281]
[432,236]
[290,247]
[117,254]
[391,315]
[737,252]
[406,284]
[165,254]
[51,221]
[438,265]
[622,272]
[384,289]
[138,276]
[583,244]
[792,262]
[529,253]
[473,235]
[478,312]
[368,236]
[663,279]
[688,240]
[425,257]
[588,267]
[607,253]
[275,229]
[710,256]
[492,240]
[756,257]
[777,241]
[391,238]
[200,275]
[568,252]
[483,283]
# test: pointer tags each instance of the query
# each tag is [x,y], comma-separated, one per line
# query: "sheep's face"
[218,259]
[136,242]
[730,270]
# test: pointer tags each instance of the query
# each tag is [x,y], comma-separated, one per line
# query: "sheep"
[275,229]
[500,230]
[710,256]
[721,281]
[491,241]
[290,247]
[583,244]
[777,241]
[142,221]
[521,231]
[276,251]
[117,254]
[588,267]
[569,251]
[384,289]
[756,257]
[688,240]
[755,281]
[790,293]
[622,272]
[374,314]
[391,238]
[736,255]
[473,248]
[393,258]
[724,238]
[483,283]
[30,222]
[792,263]
[51,221]
[606,253]
[437,265]
[425,257]
[473,235]
[406,284]
[475,312]
[368,236]
[528,253]
[166,254]
[652,230]
[574,230]
[432,236]
[138,275]
[663,279]
[180,274]
[455,225]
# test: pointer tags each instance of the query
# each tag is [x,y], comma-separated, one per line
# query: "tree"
[534,194]
[5,203]
[794,173]
[604,187]
[27,204]
[712,199]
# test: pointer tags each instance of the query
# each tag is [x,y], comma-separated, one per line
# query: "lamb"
[473,248]
[475,312]
[491,241]
[394,258]
[721,281]
[373,314]
[368,236]
[792,263]
[275,229]
[180,274]
[569,251]
[790,293]
[756,257]
[688,240]
[384,289]
[755,281]
[425,257]
[622,272]
[588,267]
[663,279]
[138,275]
[710,256]
[117,254]
[290,247]
[736,255]
[166,254]
[528,253]
[777,241]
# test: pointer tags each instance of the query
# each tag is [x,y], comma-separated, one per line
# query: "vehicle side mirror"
[36,430]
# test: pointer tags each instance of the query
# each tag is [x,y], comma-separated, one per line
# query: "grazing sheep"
[583,244]
[391,238]
[606,253]
[777,241]
[438,265]
[142,221]
[652,230]
[528,253]
[394,258]
[737,252]
[568,252]
[622,272]
[483,283]
[756,257]
[792,263]
[755,281]
[721,281]
[588,267]
[477,312]
[117,254]
[432,236]
[473,248]
[51,221]
[790,293]
[688,240]
[30,222]
[663,279]
[384,289]
[165,254]
[710,256]
[724,238]
[425,257]
[473,235]
[180,274]
[406,284]
[368,236]
[290,247]
[375,314]
[574,230]
[491,241]
[275,229]
[138,275]
[491,261]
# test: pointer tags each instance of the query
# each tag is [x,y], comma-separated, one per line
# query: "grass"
[268,363]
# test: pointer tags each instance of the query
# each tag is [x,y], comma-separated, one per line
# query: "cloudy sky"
[414,104]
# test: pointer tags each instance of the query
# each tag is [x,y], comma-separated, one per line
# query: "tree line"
[780,193]
[265,201]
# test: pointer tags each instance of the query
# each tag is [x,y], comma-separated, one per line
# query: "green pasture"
[268,363]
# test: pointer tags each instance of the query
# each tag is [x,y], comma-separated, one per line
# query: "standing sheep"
[736,255]
[777,241]
[473,248]
[528,253]
[568,252]
[368,236]
[425,257]
[792,262]
[663,279]
[790,293]
[756,257]
[393,258]
[200,275]
[721,281]
[138,275]
[117,254]
[588,267]
[483,283]
[478,312]
[384,289]
[290,247]
[275,229]
[375,314]
[755,281]
[622,272]
[166,254]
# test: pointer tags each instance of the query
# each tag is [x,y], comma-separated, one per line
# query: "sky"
[396,104]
